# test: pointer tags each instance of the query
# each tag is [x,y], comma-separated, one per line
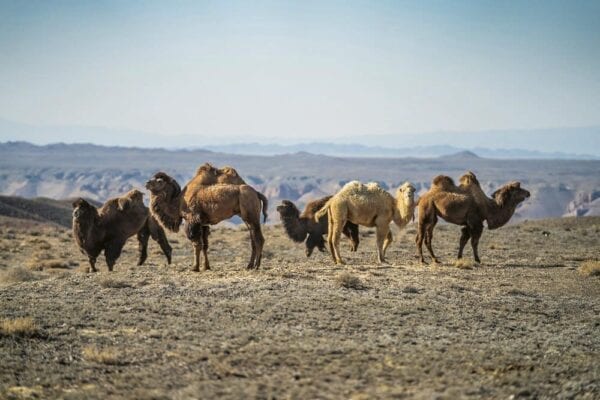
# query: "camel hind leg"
[464,238]
[476,231]
[429,237]
[420,236]
[388,240]
[250,213]
[337,220]
[382,231]
[112,251]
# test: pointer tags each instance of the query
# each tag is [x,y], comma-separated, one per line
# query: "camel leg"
[205,233]
[112,251]
[92,261]
[464,238]
[419,239]
[142,236]
[351,232]
[252,245]
[388,240]
[259,242]
[383,228]
[198,245]
[158,234]
[330,238]
[335,239]
[429,238]
[476,232]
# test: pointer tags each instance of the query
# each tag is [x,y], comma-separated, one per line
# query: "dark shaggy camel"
[203,205]
[109,227]
[301,227]
[465,205]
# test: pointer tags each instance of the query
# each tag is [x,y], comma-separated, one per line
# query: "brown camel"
[109,227]
[207,174]
[465,205]
[301,227]
[203,205]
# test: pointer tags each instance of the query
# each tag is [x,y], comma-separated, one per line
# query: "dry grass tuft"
[349,281]
[107,355]
[18,327]
[463,263]
[114,283]
[16,275]
[40,265]
[590,268]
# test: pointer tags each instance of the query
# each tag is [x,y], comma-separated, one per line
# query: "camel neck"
[498,216]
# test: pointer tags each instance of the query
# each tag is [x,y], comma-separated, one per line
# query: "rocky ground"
[524,324]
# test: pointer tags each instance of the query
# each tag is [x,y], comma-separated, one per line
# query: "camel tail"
[322,212]
[265,205]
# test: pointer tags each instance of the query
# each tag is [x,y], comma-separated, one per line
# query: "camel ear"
[518,185]
[79,202]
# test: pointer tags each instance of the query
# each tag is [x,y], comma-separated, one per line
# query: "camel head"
[287,209]
[163,185]
[406,192]
[510,194]
[82,210]
[468,179]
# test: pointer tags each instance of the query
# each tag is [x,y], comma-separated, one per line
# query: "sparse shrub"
[410,290]
[463,263]
[17,274]
[18,327]
[40,265]
[114,283]
[349,281]
[107,355]
[590,268]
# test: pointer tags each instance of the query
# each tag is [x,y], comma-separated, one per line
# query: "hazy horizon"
[300,71]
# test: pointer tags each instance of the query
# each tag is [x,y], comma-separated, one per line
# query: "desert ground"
[524,324]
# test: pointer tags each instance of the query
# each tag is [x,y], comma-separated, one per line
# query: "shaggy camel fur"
[303,226]
[207,174]
[465,205]
[203,205]
[367,205]
[109,227]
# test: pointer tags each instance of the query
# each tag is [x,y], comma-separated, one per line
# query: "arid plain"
[525,323]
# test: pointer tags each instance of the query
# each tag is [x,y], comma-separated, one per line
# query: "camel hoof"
[92,270]
[340,263]
[195,269]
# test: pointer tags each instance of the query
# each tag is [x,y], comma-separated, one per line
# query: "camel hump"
[133,198]
[469,178]
[207,168]
[443,182]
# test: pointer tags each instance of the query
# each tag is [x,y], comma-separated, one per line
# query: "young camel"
[302,226]
[203,205]
[368,205]
[465,205]
[207,174]
[109,227]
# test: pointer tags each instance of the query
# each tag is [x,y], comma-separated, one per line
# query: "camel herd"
[217,194]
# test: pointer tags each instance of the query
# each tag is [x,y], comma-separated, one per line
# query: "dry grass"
[349,281]
[463,263]
[590,268]
[40,265]
[18,327]
[107,355]
[16,275]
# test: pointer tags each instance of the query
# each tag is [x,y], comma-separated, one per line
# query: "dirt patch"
[523,324]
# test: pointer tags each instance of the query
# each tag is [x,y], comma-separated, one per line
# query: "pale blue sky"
[300,69]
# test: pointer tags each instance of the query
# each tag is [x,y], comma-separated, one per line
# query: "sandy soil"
[524,324]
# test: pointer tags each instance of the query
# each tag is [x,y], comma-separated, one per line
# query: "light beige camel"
[368,205]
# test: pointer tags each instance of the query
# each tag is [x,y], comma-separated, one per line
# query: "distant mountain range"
[555,143]
[62,171]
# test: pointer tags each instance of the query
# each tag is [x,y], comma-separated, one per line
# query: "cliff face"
[558,187]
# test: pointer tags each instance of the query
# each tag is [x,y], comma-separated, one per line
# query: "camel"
[109,227]
[465,205]
[203,205]
[301,227]
[207,174]
[368,205]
